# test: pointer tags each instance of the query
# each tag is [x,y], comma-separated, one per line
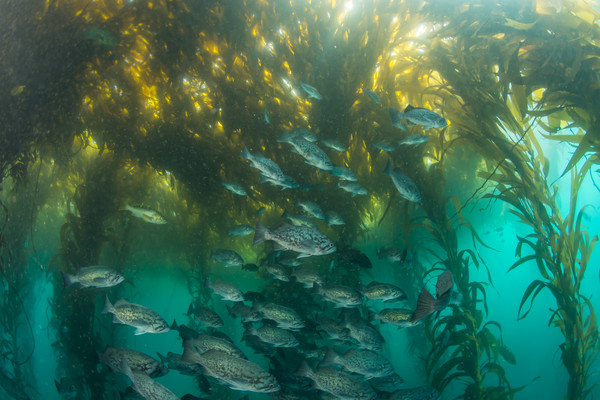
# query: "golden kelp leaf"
[548,7]
[17,90]
[519,25]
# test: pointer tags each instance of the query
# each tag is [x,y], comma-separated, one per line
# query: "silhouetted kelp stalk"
[561,250]
[20,202]
[491,94]
[84,236]
[466,347]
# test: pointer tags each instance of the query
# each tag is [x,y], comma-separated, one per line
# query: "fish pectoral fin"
[278,247]
[139,331]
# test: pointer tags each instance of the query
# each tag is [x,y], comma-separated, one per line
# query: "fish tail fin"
[174,325]
[260,232]
[190,354]
[126,369]
[388,168]
[68,279]
[426,305]
[245,153]
[304,370]
[286,137]
[330,358]
[372,316]
[57,384]
[229,311]
[316,288]
[248,330]
[163,359]
[108,307]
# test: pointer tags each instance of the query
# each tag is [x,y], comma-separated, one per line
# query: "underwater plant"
[561,248]
[91,223]
[500,118]
[466,346]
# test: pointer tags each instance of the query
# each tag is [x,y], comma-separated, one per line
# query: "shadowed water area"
[301,199]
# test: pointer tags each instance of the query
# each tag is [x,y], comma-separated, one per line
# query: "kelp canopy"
[153,101]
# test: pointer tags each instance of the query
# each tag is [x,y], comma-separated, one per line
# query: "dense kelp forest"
[110,104]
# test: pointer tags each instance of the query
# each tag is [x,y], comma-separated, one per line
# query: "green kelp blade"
[532,291]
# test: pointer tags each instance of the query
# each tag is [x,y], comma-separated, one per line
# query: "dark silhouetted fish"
[354,258]
[427,304]
[392,254]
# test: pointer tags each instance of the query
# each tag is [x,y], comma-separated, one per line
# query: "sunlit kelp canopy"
[152,102]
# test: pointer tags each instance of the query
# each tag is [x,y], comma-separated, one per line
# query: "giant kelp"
[505,97]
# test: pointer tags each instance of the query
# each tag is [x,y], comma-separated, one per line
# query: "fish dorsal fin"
[444,284]
[408,108]
[121,302]
[284,225]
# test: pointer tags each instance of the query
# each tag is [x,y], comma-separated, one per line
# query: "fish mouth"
[331,250]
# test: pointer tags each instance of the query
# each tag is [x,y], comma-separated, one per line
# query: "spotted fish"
[311,91]
[364,362]
[340,384]
[147,214]
[140,317]
[146,386]
[403,184]
[420,116]
[313,154]
[301,239]
[137,361]
[238,373]
[98,276]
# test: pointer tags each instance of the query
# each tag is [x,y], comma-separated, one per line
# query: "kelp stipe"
[561,249]
[19,270]
[89,227]
[466,347]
